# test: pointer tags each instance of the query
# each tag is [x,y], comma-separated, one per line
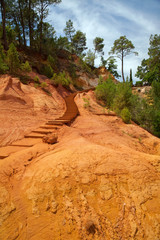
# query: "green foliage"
[13,58]
[69,30]
[52,61]
[46,69]
[26,67]
[86,102]
[79,43]
[36,80]
[106,91]
[123,97]
[112,66]
[130,77]
[85,65]
[90,57]
[43,85]
[62,79]
[139,84]
[98,45]
[156,92]
[100,80]
[2,53]
[62,43]
[72,71]
[156,123]
[103,62]
[149,70]
[3,66]
[125,115]
[121,48]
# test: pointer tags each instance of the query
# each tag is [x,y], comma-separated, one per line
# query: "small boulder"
[50,138]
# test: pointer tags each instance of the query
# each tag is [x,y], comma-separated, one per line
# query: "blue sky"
[110,19]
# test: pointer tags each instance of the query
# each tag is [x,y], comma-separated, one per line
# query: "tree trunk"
[131,79]
[18,30]
[22,24]
[122,68]
[41,26]
[3,13]
[41,36]
[30,24]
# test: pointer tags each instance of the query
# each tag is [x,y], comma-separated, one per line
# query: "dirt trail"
[37,135]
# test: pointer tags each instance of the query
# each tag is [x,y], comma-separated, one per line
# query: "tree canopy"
[150,68]
[121,48]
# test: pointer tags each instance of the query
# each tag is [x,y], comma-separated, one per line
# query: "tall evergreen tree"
[150,68]
[69,30]
[98,45]
[79,43]
[13,58]
[3,14]
[42,8]
[121,48]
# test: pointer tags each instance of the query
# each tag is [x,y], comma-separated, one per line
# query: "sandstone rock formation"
[23,107]
[50,138]
[100,181]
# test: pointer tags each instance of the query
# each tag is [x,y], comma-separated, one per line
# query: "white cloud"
[110,20]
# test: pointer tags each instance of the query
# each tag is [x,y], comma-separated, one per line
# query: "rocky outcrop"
[50,138]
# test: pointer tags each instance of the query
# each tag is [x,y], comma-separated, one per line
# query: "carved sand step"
[22,145]
[58,122]
[27,141]
[3,156]
[54,123]
[49,127]
[34,136]
[42,132]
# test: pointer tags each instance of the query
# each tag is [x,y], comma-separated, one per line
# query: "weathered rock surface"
[50,138]
[24,107]
[100,181]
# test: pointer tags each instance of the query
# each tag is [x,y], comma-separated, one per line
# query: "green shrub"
[3,66]
[156,123]
[62,79]
[139,84]
[13,58]
[26,67]
[36,85]
[46,70]
[2,53]
[43,85]
[125,115]
[106,92]
[123,97]
[85,66]
[36,80]
[100,80]
[86,102]
[72,71]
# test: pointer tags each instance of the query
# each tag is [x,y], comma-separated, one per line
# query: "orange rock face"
[22,107]
[100,181]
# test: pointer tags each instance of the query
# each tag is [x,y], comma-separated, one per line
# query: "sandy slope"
[100,181]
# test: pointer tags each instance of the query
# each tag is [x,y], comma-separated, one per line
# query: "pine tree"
[13,58]
[122,47]
[131,79]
